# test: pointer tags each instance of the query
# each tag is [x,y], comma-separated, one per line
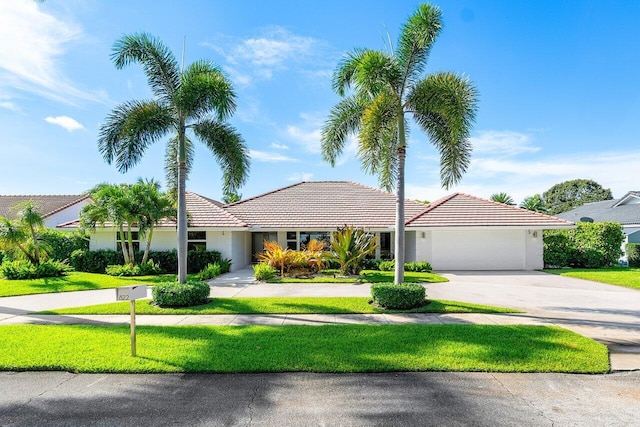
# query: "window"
[385,246]
[196,240]
[292,240]
[135,238]
[307,236]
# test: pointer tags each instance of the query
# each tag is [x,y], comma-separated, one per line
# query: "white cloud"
[301,176]
[503,143]
[8,105]
[308,138]
[263,156]
[33,42]
[279,146]
[66,122]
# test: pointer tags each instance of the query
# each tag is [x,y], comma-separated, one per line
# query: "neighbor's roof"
[463,210]
[322,204]
[47,204]
[625,210]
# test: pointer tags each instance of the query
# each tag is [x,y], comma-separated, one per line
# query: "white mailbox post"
[132,293]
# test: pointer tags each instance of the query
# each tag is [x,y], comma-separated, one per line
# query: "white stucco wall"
[481,249]
[423,246]
[69,214]
[410,246]
[102,239]
[240,249]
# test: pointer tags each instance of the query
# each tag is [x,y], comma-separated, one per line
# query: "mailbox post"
[131,294]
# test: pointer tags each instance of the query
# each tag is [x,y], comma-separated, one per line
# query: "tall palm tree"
[388,86]
[13,236]
[503,198]
[155,206]
[194,100]
[29,217]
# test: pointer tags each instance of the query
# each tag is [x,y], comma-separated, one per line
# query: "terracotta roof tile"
[47,204]
[204,212]
[463,210]
[322,204]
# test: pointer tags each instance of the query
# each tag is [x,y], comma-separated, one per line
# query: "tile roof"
[47,204]
[463,210]
[607,210]
[205,212]
[322,204]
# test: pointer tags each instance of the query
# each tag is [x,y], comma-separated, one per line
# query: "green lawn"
[367,276]
[74,281]
[333,348]
[620,276]
[299,305]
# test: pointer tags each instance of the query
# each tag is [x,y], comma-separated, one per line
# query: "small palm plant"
[503,198]
[349,247]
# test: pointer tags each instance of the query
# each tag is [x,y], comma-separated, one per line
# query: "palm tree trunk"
[123,245]
[145,257]
[36,247]
[399,240]
[132,255]
[182,207]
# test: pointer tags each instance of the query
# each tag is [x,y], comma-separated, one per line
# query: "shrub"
[62,244]
[633,254]
[146,269]
[94,261]
[210,271]
[387,265]
[22,269]
[398,297]
[264,271]
[418,266]
[174,294]
[198,260]
[225,265]
[370,264]
[589,245]
[349,246]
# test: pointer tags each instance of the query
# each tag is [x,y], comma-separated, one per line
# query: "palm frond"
[129,129]
[344,119]
[343,75]
[205,90]
[444,106]
[377,71]
[417,36]
[171,163]
[229,149]
[157,60]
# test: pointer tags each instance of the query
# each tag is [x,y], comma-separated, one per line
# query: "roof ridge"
[264,194]
[432,206]
[221,209]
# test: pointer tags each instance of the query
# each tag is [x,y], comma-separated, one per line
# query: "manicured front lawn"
[367,276]
[334,348]
[74,281]
[620,276]
[299,305]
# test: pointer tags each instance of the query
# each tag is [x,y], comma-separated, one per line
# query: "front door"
[257,242]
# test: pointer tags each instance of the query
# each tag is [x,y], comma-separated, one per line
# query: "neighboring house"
[55,210]
[458,232]
[625,210]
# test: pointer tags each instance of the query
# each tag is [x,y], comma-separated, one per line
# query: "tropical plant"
[388,86]
[275,256]
[21,237]
[198,98]
[567,195]
[231,197]
[349,246]
[315,255]
[263,271]
[503,198]
[534,203]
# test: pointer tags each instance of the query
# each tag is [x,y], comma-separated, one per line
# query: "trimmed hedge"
[414,266]
[97,261]
[633,254]
[63,244]
[398,297]
[589,245]
[174,294]
[21,269]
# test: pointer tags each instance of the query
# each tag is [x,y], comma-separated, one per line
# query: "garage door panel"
[478,250]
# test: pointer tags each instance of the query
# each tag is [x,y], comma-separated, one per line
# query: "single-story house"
[625,210]
[55,209]
[457,232]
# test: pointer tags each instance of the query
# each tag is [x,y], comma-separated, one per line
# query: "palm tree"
[13,237]
[29,218]
[386,88]
[534,203]
[197,100]
[155,206]
[503,198]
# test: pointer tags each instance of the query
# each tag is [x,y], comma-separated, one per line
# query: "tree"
[567,195]
[155,206]
[534,203]
[231,197]
[388,86]
[192,102]
[21,235]
[503,198]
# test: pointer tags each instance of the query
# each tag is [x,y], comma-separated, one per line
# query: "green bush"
[589,245]
[146,269]
[370,264]
[414,266]
[174,294]
[95,261]
[633,254]
[210,271]
[62,244]
[22,269]
[264,271]
[398,297]
[198,260]
[387,265]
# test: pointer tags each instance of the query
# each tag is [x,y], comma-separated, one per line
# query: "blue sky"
[559,85]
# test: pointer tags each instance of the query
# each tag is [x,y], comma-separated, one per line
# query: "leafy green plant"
[174,294]
[396,297]
[633,254]
[211,271]
[418,266]
[263,271]
[387,265]
[350,246]
[144,269]
[589,245]
[23,269]
[62,244]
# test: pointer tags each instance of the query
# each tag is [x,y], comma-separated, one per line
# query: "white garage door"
[478,250]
